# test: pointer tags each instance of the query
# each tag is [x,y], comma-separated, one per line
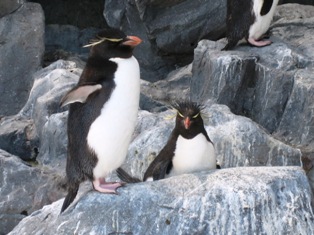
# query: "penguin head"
[113,43]
[189,121]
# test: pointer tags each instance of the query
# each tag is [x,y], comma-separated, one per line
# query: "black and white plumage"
[188,149]
[249,19]
[103,109]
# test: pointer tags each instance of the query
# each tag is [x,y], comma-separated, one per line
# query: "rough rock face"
[21,50]
[167,40]
[266,84]
[9,6]
[271,86]
[263,200]
[50,84]
[23,190]
[238,141]
[18,136]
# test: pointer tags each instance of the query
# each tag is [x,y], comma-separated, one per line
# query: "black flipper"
[267,4]
[72,192]
[124,176]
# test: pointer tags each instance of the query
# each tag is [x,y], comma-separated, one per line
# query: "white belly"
[261,23]
[110,134]
[193,155]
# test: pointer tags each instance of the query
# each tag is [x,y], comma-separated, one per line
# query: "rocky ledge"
[256,200]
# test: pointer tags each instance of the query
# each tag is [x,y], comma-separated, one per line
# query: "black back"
[239,19]
[267,4]
[98,70]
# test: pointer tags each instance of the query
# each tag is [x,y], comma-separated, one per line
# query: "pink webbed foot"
[259,43]
[102,186]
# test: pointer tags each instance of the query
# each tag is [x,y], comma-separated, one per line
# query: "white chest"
[261,23]
[193,155]
[110,134]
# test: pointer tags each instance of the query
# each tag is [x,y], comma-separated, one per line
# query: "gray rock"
[296,126]
[23,190]
[22,48]
[265,84]
[170,29]
[255,200]
[51,84]
[18,136]
[82,14]
[9,6]
[238,141]
[68,38]
[53,150]
[176,86]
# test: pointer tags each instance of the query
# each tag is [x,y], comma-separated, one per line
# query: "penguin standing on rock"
[249,19]
[188,149]
[103,109]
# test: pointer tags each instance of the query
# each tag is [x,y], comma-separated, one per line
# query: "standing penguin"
[188,149]
[249,19]
[103,109]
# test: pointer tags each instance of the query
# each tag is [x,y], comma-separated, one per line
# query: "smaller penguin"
[189,149]
[103,109]
[249,19]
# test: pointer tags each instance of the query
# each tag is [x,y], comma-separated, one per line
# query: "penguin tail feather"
[72,192]
[124,176]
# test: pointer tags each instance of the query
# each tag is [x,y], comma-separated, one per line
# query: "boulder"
[265,84]
[244,200]
[50,85]
[21,50]
[18,136]
[170,29]
[238,141]
[24,189]
[9,6]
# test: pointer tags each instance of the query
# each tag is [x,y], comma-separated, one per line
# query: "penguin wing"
[267,4]
[158,168]
[79,94]
[162,163]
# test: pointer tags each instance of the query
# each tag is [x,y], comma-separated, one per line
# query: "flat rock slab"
[245,200]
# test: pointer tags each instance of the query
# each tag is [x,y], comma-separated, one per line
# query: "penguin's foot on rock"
[102,186]
[259,43]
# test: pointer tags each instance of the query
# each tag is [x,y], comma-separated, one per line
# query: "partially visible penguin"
[188,149]
[249,19]
[103,109]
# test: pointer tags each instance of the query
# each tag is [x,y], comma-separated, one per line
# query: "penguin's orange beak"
[187,123]
[132,41]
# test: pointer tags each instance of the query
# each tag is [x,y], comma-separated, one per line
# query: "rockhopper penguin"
[249,19]
[103,109]
[188,149]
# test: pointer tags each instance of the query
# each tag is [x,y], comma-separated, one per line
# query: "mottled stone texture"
[238,141]
[18,136]
[23,190]
[21,50]
[170,29]
[253,200]
[258,113]
[272,85]
[9,6]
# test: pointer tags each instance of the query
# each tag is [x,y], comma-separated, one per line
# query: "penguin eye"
[180,114]
[195,116]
